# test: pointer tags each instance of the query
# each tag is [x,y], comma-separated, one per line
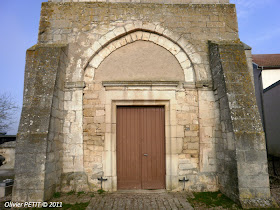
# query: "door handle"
[145,154]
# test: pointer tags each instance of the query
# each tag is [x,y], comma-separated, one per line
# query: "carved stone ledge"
[75,85]
[140,83]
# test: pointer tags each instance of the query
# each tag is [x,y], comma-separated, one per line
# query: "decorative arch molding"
[185,53]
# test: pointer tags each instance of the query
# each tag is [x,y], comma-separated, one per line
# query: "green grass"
[57,195]
[81,193]
[101,191]
[76,206]
[212,199]
[71,192]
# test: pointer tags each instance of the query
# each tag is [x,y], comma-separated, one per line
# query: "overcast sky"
[259,27]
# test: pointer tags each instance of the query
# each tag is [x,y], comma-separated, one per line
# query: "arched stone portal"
[146,69]
[67,134]
[188,59]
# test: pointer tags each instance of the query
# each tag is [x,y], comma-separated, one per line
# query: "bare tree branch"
[8,109]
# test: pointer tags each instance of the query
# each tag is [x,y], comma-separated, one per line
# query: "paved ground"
[137,200]
[131,201]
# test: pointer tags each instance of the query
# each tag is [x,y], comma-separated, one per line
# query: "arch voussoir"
[177,45]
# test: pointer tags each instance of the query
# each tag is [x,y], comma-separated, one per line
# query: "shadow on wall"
[2,160]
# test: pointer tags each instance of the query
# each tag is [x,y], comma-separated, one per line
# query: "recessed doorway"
[140,147]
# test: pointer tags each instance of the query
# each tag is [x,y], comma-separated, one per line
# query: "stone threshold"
[142,191]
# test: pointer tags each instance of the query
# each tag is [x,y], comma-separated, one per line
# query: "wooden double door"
[140,147]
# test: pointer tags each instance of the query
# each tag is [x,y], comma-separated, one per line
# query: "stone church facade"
[94,58]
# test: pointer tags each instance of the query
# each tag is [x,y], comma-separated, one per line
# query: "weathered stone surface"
[38,126]
[152,1]
[74,181]
[243,160]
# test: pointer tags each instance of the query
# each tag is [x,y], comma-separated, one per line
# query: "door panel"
[140,148]
[153,165]
[128,149]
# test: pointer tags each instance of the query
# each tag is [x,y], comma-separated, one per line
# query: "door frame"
[110,153]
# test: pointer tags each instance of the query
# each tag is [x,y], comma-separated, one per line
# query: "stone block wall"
[184,143]
[226,155]
[196,133]
[242,158]
[86,27]
[73,177]
[210,129]
[55,149]
[94,131]
[183,125]
[152,1]
[187,132]
[83,24]
[37,164]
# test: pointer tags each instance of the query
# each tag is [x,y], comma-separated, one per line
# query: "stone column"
[73,175]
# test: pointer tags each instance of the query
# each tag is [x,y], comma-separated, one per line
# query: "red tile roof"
[267,60]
